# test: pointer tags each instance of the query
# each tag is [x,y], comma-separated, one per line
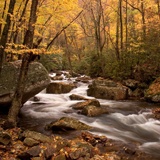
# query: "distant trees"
[97,37]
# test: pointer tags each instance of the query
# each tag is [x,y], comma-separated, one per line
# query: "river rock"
[107,89]
[60,87]
[153,92]
[57,78]
[81,105]
[93,111]
[37,80]
[77,97]
[156,113]
[67,123]
[30,153]
[84,79]
[5,138]
[36,136]
[131,83]
[30,142]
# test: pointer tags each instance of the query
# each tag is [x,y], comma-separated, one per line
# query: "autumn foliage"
[97,37]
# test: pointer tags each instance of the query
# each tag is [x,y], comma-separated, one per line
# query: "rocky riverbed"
[128,129]
[18,144]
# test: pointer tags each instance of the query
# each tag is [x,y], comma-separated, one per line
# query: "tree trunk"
[158,7]
[117,35]
[17,99]
[126,23]
[28,41]
[121,23]
[68,52]
[143,20]
[20,22]
[5,33]
[3,12]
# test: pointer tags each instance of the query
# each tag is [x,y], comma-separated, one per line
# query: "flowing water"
[128,121]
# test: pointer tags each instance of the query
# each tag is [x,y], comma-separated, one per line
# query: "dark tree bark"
[20,23]
[5,33]
[158,7]
[28,41]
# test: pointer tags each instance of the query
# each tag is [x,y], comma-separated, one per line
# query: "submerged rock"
[67,123]
[37,80]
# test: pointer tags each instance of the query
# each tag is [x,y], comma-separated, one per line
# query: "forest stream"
[128,121]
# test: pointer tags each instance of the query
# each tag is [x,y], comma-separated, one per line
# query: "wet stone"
[30,142]
[5,138]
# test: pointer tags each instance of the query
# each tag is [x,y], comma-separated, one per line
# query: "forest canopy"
[107,38]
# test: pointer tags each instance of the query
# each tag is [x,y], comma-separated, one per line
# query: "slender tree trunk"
[121,24]
[126,23]
[4,8]
[28,41]
[5,33]
[143,20]
[20,23]
[68,52]
[17,99]
[158,7]
[117,35]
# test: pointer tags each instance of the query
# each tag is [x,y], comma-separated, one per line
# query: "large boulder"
[37,80]
[60,87]
[153,92]
[107,89]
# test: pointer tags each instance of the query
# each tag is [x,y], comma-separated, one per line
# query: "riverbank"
[16,144]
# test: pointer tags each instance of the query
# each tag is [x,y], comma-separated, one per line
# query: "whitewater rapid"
[128,121]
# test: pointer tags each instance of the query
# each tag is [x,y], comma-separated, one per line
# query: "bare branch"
[133,6]
[58,33]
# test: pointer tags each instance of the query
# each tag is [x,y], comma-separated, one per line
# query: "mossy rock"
[37,80]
